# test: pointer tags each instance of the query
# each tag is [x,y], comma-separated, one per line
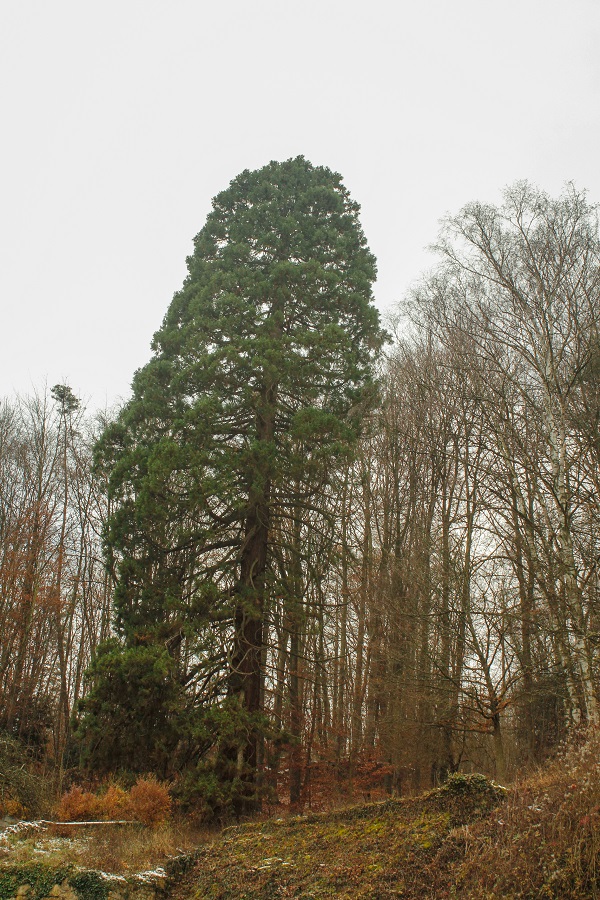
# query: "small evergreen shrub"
[469,785]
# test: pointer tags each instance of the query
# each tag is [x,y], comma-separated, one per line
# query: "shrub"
[78,806]
[114,803]
[22,790]
[12,808]
[149,802]
[130,720]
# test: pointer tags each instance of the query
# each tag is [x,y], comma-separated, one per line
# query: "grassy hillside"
[469,839]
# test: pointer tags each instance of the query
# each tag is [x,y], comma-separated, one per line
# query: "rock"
[63,891]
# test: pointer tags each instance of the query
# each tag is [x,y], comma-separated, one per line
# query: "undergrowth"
[116,850]
[39,876]
[378,850]
[23,791]
[148,802]
[470,839]
[545,842]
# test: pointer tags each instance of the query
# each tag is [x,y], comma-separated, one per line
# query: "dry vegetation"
[119,850]
[147,802]
[545,842]
[469,839]
[464,840]
[146,837]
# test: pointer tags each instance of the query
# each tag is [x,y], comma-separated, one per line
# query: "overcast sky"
[121,120]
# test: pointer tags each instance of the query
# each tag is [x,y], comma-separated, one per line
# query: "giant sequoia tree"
[257,383]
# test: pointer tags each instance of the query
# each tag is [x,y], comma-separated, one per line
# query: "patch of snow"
[21,828]
[151,874]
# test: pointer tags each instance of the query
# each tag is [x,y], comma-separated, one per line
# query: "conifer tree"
[257,383]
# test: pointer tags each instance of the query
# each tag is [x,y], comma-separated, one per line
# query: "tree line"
[308,544]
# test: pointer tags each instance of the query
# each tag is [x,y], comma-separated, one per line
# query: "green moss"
[371,852]
[42,879]
[89,885]
[461,785]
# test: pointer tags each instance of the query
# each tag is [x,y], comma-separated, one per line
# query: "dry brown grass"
[135,849]
[113,849]
[545,841]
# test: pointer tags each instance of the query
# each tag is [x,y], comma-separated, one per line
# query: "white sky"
[121,120]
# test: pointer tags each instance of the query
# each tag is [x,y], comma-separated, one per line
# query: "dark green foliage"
[475,785]
[475,792]
[89,885]
[277,301]
[215,785]
[261,374]
[131,718]
[40,877]
[65,398]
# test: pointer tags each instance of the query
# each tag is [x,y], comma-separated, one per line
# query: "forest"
[316,555]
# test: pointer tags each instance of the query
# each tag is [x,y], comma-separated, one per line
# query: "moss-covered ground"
[380,850]
[469,840]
